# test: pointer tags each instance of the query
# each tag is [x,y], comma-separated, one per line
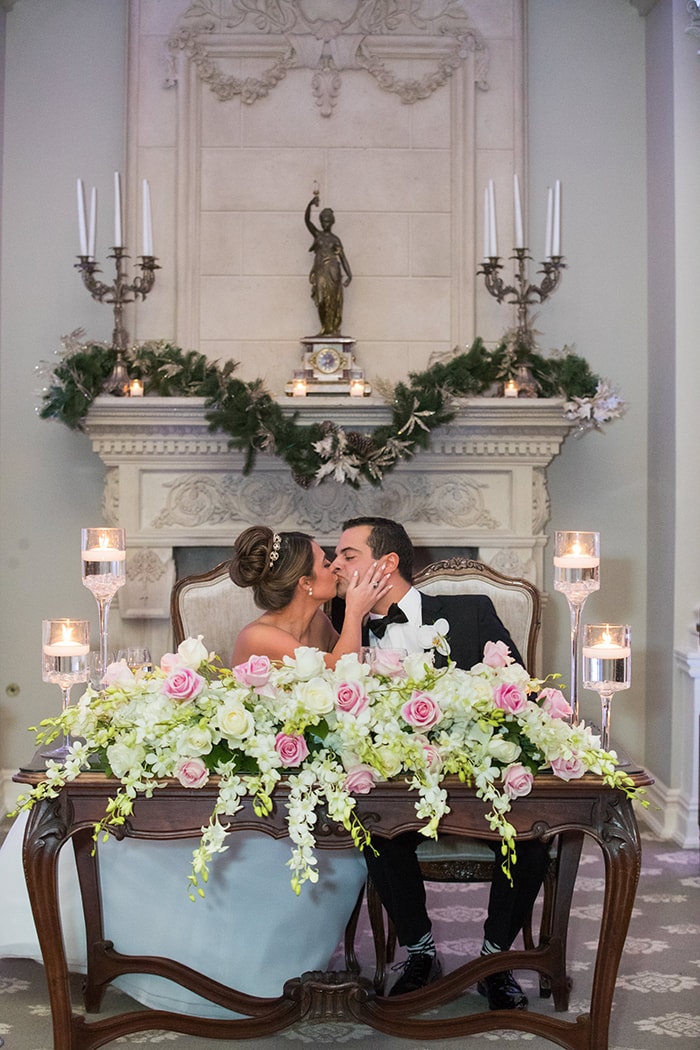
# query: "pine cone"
[301,479]
[361,444]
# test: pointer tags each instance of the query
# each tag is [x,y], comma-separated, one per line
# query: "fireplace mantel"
[171,482]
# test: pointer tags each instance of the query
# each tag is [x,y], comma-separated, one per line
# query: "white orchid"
[434,636]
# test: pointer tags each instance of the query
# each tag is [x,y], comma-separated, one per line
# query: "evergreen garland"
[256,422]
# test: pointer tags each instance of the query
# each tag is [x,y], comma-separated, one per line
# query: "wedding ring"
[375,584]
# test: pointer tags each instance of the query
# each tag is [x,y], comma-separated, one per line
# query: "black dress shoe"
[418,970]
[502,991]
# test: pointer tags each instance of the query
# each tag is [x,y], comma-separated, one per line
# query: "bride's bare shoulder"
[263,638]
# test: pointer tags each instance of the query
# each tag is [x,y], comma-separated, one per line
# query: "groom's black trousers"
[396,875]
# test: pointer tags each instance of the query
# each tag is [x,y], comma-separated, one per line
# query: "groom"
[394,624]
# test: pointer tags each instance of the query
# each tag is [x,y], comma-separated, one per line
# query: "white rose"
[389,761]
[192,652]
[195,741]
[307,662]
[316,696]
[234,721]
[503,750]
[417,664]
[125,757]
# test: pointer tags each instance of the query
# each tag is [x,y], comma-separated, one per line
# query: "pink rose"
[191,772]
[568,768]
[517,781]
[360,780]
[554,703]
[351,697]
[170,662]
[254,672]
[510,697]
[388,662]
[433,758]
[291,748]
[497,654]
[119,674]
[421,710]
[183,684]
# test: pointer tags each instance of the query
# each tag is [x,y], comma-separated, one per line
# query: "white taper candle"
[82,228]
[556,227]
[493,241]
[548,231]
[147,221]
[519,235]
[117,211]
[93,223]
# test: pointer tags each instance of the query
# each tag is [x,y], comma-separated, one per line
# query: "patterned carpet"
[657,1000]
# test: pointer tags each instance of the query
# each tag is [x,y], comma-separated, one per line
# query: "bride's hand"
[364,592]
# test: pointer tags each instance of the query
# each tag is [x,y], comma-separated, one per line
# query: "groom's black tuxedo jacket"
[473,622]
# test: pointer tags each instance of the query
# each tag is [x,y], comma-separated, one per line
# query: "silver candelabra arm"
[522,293]
[117,295]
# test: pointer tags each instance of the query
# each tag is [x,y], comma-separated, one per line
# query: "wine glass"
[137,658]
[606,666]
[65,645]
[576,575]
[104,572]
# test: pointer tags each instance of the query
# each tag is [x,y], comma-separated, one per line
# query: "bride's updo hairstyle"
[271,563]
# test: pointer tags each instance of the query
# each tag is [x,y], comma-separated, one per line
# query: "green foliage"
[256,422]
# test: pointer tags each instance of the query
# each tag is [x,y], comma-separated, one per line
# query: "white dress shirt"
[403,635]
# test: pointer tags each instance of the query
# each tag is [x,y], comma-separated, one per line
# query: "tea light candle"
[298,386]
[357,386]
[510,389]
[606,650]
[67,646]
[135,388]
[576,561]
[103,554]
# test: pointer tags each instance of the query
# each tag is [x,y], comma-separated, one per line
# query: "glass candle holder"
[103,556]
[65,644]
[607,666]
[576,575]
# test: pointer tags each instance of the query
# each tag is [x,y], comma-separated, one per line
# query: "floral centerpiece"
[332,734]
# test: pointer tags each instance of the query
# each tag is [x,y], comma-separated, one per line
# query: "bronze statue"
[326,275]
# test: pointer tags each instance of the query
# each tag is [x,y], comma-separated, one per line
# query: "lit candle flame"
[67,633]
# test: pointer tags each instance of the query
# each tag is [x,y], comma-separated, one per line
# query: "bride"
[250,931]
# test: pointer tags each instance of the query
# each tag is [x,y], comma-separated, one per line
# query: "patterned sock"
[487,948]
[425,946]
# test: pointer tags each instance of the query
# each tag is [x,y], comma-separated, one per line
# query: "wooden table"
[585,807]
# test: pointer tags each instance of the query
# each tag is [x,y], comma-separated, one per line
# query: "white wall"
[587,127]
[64,116]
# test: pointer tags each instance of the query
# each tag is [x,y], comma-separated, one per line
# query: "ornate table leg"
[618,837]
[44,835]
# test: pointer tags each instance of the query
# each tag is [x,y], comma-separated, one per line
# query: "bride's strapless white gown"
[250,931]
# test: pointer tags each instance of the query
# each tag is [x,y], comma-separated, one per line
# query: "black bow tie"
[379,625]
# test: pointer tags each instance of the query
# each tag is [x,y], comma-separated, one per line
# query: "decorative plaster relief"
[204,501]
[333,37]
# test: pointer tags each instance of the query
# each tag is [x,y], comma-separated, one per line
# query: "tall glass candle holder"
[65,645]
[607,660]
[103,553]
[576,575]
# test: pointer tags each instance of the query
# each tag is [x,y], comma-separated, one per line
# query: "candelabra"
[118,294]
[522,292]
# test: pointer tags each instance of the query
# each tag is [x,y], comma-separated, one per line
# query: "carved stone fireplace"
[172,483]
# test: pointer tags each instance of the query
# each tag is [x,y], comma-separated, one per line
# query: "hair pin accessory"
[275,552]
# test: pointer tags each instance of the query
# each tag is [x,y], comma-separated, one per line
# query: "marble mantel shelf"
[173,483]
[120,428]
